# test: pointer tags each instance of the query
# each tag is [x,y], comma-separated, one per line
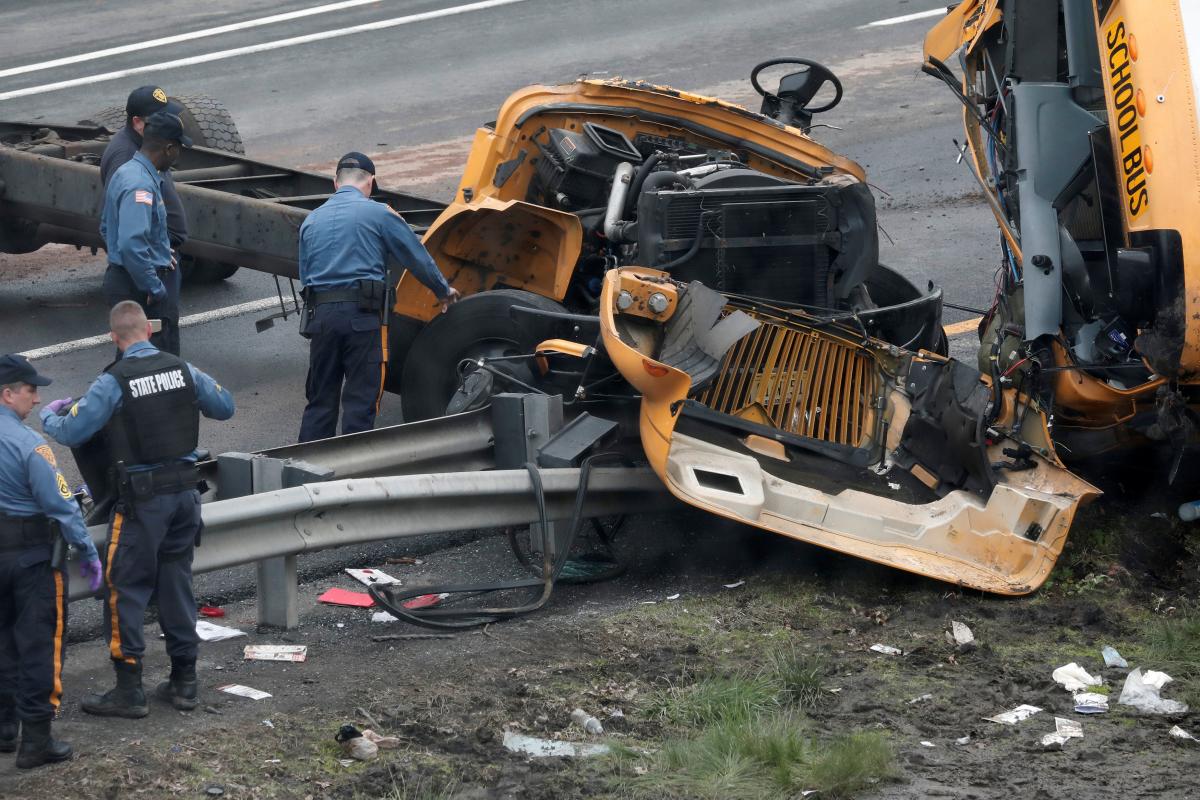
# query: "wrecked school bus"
[712,273]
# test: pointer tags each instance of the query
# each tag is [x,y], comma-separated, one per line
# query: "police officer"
[142,103]
[134,226]
[344,248]
[148,403]
[37,517]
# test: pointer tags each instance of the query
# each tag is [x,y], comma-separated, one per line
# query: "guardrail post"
[523,423]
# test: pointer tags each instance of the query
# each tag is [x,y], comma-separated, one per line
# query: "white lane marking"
[260,48]
[184,322]
[185,37]
[933,12]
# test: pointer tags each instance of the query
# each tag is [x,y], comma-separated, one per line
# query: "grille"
[801,381]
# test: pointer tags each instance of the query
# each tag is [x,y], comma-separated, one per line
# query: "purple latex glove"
[57,406]
[93,572]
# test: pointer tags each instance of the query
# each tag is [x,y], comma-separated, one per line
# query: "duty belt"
[17,533]
[319,296]
[168,479]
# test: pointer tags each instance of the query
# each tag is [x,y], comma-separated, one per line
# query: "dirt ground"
[623,649]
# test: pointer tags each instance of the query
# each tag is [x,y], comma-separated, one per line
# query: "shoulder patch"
[63,488]
[394,211]
[144,197]
[45,452]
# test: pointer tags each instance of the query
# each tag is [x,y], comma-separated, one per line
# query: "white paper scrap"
[928,744]
[367,577]
[1156,679]
[275,652]
[1091,703]
[243,691]
[734,585]
[1074,678]
[1179,733]
[1015,715]
[541,748]
[208,632]
[887,650]
[1064,729]
[1112,658]
[382,616]
[673,597]
[961,634]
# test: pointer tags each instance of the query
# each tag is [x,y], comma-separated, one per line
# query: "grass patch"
[1173,646]
[421,787]
[715,700]
[770,757]
[798,677]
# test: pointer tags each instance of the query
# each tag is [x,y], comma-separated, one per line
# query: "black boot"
[8,737]
[126,700]
[39,747]
[180,689]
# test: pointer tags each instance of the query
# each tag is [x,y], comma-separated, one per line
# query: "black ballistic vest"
[159,418]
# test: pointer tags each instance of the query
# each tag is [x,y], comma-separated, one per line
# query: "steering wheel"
[804,89]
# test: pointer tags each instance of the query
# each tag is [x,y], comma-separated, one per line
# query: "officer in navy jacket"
[148,405]
[38,515]
[345,245]
[122,147]
[134,226]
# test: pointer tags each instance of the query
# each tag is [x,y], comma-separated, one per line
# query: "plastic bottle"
[1190,512]
[587,721]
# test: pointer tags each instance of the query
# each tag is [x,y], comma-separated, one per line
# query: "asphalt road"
[421,87]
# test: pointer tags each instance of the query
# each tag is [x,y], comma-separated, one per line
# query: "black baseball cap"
[356,160]
[165,125]
[145,100]
[16,368]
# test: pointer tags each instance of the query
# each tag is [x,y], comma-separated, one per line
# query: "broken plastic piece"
[963,740]
[734,585]
[1112,658]
[543,748]
[1015,715]
[341,597]
[296,653]
[1182,735]
[587,722]
[920,699]
[928,744]
[1142,692]
[211,611]
[243,691]
[887,650]
[1074,678]
[961,637]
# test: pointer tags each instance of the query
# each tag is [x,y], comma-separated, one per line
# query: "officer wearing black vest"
[147,404]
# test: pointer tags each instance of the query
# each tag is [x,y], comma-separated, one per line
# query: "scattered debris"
[920,699]
[208,632]
[354,744]
[536,747]
[587,722]
[392,637]
[346,762]
[211,611]
[1064,729]
[275,652]
[342,597]
[1015,715]
[424,600]
[368,577]
[1183,736]
[1112,658]
[243,691]
[928,744]
[381,742]
[1091,703]
[272,760]
[887,650]
[963,740]
[961,637]
[406,560]
[1142,692]
[268,723]
[673,597]
[734,585]
[214,790]
[1074,678]
[382,616]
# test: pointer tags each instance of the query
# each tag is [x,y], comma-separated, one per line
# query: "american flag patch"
[142,196]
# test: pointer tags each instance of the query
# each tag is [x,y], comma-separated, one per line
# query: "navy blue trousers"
[345,365]
[150,548]
[33,627]
[119,286]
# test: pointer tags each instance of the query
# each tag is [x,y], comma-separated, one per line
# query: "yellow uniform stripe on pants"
[382,367]
[114,640]
[56,692]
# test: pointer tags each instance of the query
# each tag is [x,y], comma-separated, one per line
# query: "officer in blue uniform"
[125,143]
[38,516]
[345,245]
[134,226]
[148,405]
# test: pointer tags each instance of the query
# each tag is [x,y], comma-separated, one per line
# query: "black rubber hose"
[695,248]
[639,177]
